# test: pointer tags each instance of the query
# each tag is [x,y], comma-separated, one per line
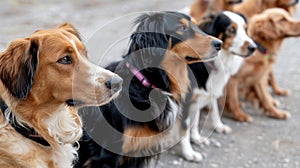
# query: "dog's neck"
[268,47]
[178,74]
[41,116]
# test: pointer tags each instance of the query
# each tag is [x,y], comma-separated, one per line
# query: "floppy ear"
[70,28]
[18,66]
[217,25]
[265,30]
[206,22]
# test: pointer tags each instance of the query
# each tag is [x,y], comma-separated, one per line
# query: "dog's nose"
[114,83]
[217,44]
[251,48]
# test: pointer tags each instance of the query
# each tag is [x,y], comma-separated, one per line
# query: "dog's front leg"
[275,87]
[266,101]
[233,103]
[216,118]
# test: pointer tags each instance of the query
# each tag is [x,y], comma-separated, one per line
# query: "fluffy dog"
[212,76]
[268,29]
[39,123]
[155,84]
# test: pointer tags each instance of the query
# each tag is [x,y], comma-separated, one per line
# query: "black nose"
[217,44]
[114,83]
[251,48]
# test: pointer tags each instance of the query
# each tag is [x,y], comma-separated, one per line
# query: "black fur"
[146,52]
[215,25]
[19,83]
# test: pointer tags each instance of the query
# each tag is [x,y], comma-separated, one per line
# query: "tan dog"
[43,78]
[268,29]
[202,7]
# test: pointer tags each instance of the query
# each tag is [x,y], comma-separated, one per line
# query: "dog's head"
[47,73]
[273,25]
[231,29]
[173,32]
[53,64]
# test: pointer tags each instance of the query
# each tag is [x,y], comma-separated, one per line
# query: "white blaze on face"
[241,35]
[95,72]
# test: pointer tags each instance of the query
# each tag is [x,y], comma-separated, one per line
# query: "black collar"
[24,130]
[260,47]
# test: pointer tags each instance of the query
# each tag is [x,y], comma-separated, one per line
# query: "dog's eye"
[182,28]
[65,60]
[232,30]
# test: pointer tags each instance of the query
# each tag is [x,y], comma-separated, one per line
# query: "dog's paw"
[282,92]
[278,114]
[242,117]
[198,140]
[222,128]
[276,103]
[193,156]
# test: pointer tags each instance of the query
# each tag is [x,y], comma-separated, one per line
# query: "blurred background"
[264,143]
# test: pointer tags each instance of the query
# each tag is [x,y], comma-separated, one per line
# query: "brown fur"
[175,63]
[251,7]
[44,103]
[269,29]
[201,8]
[143,138]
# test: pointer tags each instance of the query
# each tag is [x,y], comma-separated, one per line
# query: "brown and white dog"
[43,78]
[268,29]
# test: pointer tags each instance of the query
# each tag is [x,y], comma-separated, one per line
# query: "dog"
[268,29]
[155,84]
[212,76]
[42,80]
[201,8]
[251,7]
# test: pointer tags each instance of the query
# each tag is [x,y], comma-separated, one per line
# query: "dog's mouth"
[242,55]
[72,102]
[235,2]
[192,59]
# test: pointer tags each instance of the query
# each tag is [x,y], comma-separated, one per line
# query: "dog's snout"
[217,44]
[251,48]
[114,83]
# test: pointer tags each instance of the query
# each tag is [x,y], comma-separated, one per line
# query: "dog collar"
[262,50]
[140,76]
[24,130]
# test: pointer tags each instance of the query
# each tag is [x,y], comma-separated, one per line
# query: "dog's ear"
[263,29]
[206,22]
[70,28]
[18,66]
[150,41]
[217,25]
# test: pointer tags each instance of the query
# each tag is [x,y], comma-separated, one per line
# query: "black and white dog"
[212,76]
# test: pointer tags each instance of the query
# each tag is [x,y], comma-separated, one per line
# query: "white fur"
[95,72]
[62,126]
[228,63]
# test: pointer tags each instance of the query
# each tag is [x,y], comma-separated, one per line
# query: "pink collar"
[140,76]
